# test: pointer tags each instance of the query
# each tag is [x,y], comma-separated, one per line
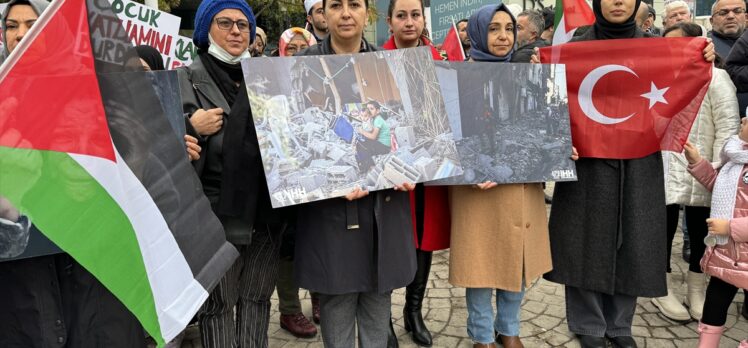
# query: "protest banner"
[446,12]
[327,124]
[158,29]
[183,54]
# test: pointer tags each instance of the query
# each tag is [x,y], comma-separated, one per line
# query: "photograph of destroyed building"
[328,124]
[510,121]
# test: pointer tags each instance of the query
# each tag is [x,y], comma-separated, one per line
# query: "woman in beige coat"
[499,236]
[718,119]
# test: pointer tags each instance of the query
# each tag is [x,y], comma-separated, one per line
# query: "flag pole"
[40,23]
[462,49]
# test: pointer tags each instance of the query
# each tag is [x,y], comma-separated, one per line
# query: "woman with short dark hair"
[354,251]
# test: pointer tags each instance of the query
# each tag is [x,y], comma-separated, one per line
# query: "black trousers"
[52,301]
[697,230]
[719,296]
[596,314]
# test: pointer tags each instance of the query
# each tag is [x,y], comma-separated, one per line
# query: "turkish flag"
[633,97]
[453,46]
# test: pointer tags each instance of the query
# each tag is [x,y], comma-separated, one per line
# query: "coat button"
[387,199]
[527,225]
[58,322]
[60,339]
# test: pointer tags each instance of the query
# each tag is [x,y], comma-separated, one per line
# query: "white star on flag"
[656,95]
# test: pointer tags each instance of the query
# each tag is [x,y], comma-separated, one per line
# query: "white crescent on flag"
[585,93]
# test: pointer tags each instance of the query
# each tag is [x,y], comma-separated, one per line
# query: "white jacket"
[718,119]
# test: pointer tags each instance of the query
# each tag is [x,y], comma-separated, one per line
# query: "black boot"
[686,247]
[744,311]
[391,337]
[414,299]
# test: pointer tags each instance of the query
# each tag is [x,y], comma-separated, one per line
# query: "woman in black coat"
[230,169]
[354,251]
[616,250]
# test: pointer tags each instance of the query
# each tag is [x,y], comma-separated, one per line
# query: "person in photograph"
[374,139]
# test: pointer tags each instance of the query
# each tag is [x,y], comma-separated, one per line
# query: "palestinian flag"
[570,15]
[88,156]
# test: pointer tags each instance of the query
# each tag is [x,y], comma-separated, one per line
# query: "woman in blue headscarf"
[499,236]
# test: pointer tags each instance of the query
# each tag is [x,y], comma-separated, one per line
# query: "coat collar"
[204,84]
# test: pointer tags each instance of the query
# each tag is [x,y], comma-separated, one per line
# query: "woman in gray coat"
[354,251]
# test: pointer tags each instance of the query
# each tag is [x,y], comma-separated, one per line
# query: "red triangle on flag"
[577,13]
[49,92]
[453,46]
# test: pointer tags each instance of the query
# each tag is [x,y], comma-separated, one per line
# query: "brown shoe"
[484,345]
[298,325]
[315,309]
[510,341]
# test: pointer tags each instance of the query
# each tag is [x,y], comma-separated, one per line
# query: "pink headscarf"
[289,34]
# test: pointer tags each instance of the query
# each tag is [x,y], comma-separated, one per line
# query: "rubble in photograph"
[510,121]
[329,124]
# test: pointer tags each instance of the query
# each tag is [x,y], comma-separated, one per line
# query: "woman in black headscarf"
[150,57]
[613,252]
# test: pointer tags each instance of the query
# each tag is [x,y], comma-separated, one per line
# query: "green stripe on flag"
[74,211]
[559,13]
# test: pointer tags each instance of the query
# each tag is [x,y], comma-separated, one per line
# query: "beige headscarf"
[262,35]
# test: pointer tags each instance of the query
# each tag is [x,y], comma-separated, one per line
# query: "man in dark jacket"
[549,18]
[464,39]
[728,23]
[645,19]
[530,24]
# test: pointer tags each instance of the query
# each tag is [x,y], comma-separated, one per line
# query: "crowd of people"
[608,239]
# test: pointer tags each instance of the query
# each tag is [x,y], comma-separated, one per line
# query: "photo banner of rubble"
[510,122]
[329,124]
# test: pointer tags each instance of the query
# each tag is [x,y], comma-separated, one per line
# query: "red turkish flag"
[453,46]
[630,98]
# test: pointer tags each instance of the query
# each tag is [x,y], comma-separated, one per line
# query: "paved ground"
[543,313]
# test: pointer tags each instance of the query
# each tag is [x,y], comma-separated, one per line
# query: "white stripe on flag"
[560,36]
[176,293]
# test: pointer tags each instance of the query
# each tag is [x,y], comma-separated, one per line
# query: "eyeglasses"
[227,24]
[725,12]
